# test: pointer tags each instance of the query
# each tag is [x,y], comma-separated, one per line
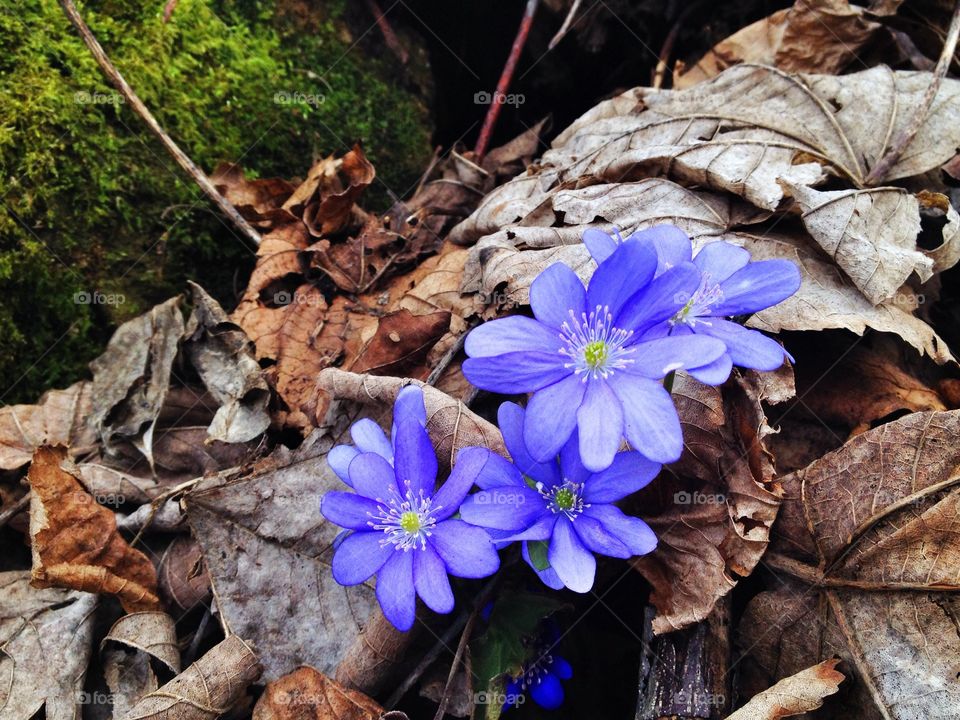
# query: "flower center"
[595,348]
[406,520]
[707,294]
[565,498]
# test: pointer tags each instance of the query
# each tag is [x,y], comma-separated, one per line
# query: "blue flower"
[730,284]
[592,357]
[403,531]
[541,677]
[561,502]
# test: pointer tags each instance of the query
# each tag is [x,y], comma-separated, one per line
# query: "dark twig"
[666,51]
[130,96]
[567,24]
[389,36]
[482,600]
[886,163]
[7,514]
[493,112]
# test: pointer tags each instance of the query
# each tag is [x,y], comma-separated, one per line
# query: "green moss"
[92,203]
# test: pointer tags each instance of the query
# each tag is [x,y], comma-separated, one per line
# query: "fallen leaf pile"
[167,558]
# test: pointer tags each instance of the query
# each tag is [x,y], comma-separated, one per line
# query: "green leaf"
[503,648]
[538,554]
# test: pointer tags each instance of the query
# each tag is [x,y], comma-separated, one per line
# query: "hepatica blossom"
[402,530]
[562,503]
[592,357]
[730,284]
[542,677]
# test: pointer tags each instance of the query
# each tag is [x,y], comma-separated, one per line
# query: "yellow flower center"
[595,354]
[410,522]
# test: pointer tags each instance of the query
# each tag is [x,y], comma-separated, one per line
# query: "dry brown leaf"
[401,343]
[153,633]
[822,36]
[46,638]
[131,378]
[60,417]
[794,695]
[861,531]
[326,198]
[182,575]
[716,506]
[870,234]
[306,694]
[75,541]
[206,689]
[127,669]
[255,199]
[224,358]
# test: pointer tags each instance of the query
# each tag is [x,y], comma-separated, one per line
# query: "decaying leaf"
[268,552]
[794,695]
[224,358]
[60,417]
[306,694]
[716,504]
[75,541]
[183,577]
[45,645]
[206,689]
[130,379]
[866,542]
[823,36]
[126,653]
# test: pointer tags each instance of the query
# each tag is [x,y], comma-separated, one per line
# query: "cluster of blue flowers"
[593,359]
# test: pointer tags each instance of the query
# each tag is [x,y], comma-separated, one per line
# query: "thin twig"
[389,36]
[482,600]
[667,50]
[130,96]
[567,24]
[490,121]
[8,513]
[886,163]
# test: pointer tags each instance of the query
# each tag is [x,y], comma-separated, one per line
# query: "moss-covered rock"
[97,222]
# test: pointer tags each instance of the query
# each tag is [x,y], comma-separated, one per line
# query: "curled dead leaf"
[307,694]
[75,541]
[794,695]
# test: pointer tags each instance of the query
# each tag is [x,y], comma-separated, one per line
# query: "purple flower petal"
[554,293]
[339,459]
[408,407]
[359,556]
[369,437]
[510,419]
[650,419]
[621,275]
[632,532]
[757,286]
[561,668]
[542,529]
[517,372]
[372,476]
[467,551]
[547,692]
[571,466]
[672,245]
[747,348]
[661,299]
[498,472]
[598,539]
[600,425]
[721,260]
[348,510]
[714,373]
[629,473]
[599,244]
[395,590]
[512,334]
[414,459]
[548,575]
[504,508]
[575,565]
[469,464]
[431,581]
[551,416]
[655,358]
